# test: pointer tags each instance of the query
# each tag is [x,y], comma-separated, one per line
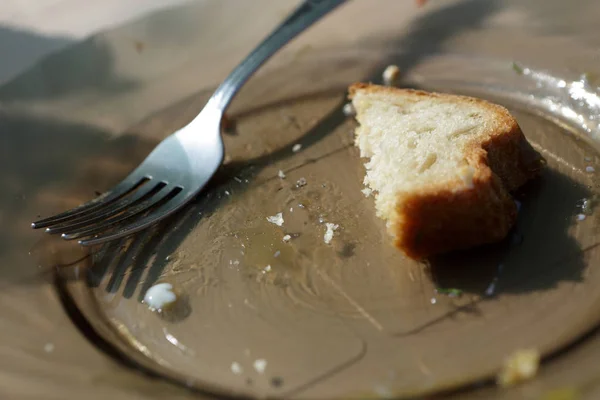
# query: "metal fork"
[183,163]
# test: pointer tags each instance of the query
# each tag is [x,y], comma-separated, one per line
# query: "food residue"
[433,300]
[331,228]
[301,182]
[348,110]
[267,269]
[287,238]
[518,367]
[160,296]
[236,368]
[280,174]
[589,168]
[260,365]
[276,219]
[367,191]
[580,217]
[49,347]
[390,75]
[296,148]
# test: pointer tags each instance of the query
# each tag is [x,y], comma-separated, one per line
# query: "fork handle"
[309,12]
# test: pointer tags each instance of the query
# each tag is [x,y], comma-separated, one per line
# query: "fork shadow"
[142,258]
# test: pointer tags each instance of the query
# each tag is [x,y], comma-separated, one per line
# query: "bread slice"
[441,166]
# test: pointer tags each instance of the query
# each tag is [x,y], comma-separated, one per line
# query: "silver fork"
[183,163]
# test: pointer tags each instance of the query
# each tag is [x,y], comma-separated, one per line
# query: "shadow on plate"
[537,255]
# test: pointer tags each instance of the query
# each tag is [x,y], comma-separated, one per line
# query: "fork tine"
[126,186]
[145,192]
[158,198]
[169,206]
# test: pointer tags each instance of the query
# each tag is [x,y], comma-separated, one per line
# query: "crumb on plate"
[520,366]
[330,229]
[276,219]
[390,75]
[348,110]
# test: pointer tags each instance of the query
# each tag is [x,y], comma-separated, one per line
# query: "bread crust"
[449,216]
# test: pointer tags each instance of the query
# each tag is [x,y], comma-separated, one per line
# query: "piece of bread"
[441,166]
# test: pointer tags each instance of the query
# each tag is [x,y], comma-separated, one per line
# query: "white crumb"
[276,219]
[236,368]
[433,300]
[280,174]
[390,75]
[291,209]
[491,289]
[329,232]
[49,347]
[367,191]
[348,110]
[296,147]
[589,169]
[287,238]
[580,217]
[160,296]
[227,193]
[277,254]
[267,269]
[301,182]
[260,365]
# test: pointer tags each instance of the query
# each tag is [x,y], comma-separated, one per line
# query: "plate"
[264,317]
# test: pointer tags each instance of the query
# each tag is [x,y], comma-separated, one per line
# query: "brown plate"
[351,319]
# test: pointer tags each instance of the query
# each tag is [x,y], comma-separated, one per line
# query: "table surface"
[118,88]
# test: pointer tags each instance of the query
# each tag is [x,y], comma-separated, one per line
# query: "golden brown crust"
[448,217]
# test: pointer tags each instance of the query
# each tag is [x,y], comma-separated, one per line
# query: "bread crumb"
[580,217]
[296,148]
[433,300]
[276,219]
[589,168]
[331,228]
[260,365]
[267,269]
[348,110]
[390,75]
[236,368]
[518,367]
[301,182]
[367,191]
[280,174]
[287,238]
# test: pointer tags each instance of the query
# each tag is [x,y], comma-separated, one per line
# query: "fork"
[183,163]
